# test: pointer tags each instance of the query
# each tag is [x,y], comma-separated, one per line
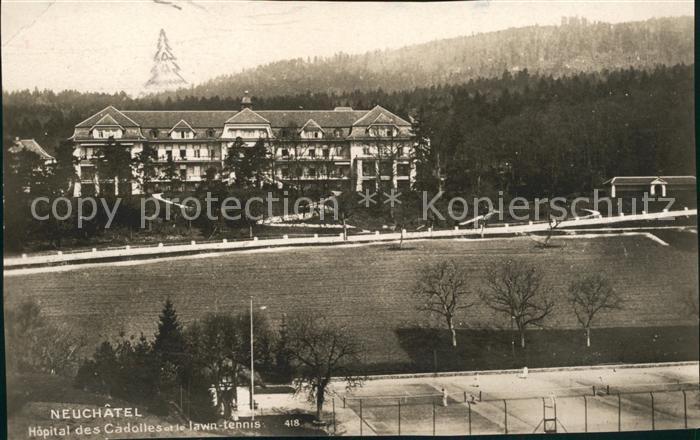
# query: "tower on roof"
[246,102]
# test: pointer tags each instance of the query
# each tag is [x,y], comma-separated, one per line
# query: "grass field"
[366,287]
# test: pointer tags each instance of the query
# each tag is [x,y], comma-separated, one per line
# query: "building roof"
[649,180]
[312,125]
[119,117]
[108,121]
[386,116]
[32,146]
[341,117]
[247,116]
[342,121]
[182,124]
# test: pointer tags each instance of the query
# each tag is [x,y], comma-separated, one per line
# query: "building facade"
[343,149]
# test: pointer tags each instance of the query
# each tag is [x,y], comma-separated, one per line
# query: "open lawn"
[367,287]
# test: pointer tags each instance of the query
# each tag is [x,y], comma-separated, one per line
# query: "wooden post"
[685,409]
[653,424]
[334,429]
[505,414]
[433,417]
[585,414]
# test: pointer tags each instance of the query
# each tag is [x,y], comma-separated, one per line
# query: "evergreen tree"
[165,73]
[114,162]
[169,343]
[145,163]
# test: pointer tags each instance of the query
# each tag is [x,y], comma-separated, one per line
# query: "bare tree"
[589,295]
[442,290]
[515,288]
[321,349]
[544,242]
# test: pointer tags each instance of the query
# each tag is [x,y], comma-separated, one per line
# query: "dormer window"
[106,133]
[182,130]
[211,133]
[154,133]
[107,127]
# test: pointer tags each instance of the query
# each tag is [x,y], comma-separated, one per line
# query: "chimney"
[246,102]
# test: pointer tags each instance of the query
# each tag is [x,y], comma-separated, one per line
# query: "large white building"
[341,148]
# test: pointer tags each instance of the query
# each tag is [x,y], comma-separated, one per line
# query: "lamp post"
[252,366]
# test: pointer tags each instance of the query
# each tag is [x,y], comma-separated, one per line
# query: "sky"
[108,46]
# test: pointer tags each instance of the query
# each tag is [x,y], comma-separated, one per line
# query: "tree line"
[576,45]
[521,133]
[193,370]
[514,288]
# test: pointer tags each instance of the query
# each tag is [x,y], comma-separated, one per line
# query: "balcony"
[179,159]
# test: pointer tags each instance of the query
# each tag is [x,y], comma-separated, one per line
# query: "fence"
[602,408]
[303,240]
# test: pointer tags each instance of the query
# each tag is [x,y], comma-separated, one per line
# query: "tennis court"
[589,400]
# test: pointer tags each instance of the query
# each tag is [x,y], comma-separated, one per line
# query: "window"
[285,152]
[312,172]
[403,169]
[87,173]
[169,155]
[316,134]
[285,173]
[326,153]
[365,151]
[338,132]
[368,168]
[399,151]
[210,133]
[154,133]
[312,152]
[183,174]
[386,168]
[182,135]
[196,152]
[183,153]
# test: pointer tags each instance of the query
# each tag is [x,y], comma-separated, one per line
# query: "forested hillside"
[523,134]
[575,46]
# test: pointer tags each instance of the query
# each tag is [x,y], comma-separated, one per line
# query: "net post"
[469,412]
[361,421]
[619,413]
[585,413]
[505,414]
[399,419]
[433,417]
[653,424]
[685,409]
[465,396]
[344,402]
[334,427]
